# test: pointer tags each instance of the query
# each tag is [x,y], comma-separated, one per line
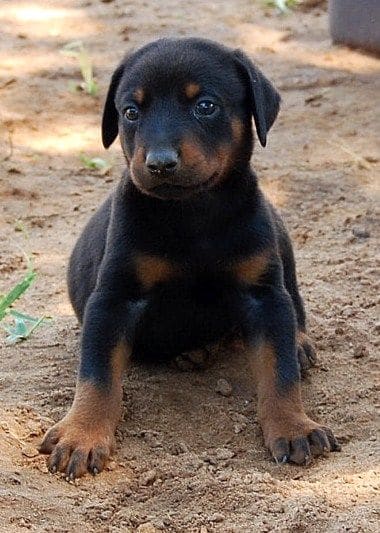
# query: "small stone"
[361,233]
[361,351]
[29,451]
[184,364]
[222,454]
[197,357]
[106,515]
[216,517]
[223,387]
[178,448]
[148,478]
[124,487]
[147,527]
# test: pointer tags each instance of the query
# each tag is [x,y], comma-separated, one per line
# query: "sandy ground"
[188,458]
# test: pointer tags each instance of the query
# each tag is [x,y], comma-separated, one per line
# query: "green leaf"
[23,327]
[95,163]
[77,50]
[15,293]
[283,6]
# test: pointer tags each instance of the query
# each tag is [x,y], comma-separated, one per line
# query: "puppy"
[186,250]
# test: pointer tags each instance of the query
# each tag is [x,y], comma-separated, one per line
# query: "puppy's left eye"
[131,113]
[205,108]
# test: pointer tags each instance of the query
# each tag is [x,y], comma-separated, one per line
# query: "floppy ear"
[265,100]
[110,119]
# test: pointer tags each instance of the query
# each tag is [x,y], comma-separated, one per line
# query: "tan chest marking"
[250,270]
[151,270]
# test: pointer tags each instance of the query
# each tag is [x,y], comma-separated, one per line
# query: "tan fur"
[96,407]
[193,156]
[250,270]
[151,270]
[88,428]
[192,90]
[281,414]
[139,95]
[237,130]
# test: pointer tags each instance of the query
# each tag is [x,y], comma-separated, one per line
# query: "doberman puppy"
[186,251]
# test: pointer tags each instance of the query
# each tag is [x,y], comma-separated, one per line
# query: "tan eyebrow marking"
[192,90]
[139,95]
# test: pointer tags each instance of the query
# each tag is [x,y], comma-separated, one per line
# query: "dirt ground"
[188,458]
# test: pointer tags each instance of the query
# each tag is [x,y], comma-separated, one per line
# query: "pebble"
[216,517]
[148,478]
[223,387]
[178,447]
[184,364]
[147,527]
[361,233]
[29,451]
[361,351]
[197,357]
[222,454]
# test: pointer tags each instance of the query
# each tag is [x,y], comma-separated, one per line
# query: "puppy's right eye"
[131,113]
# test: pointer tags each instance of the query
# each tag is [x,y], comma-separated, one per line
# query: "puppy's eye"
[205,108]
[131,113]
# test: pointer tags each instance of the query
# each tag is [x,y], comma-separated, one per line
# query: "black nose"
[162,160]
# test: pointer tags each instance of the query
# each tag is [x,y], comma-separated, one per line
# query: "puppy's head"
[183,110]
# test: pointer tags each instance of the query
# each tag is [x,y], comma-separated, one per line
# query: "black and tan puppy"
[186,250]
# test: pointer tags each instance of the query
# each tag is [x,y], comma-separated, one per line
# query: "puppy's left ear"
[265,100]
[110,120]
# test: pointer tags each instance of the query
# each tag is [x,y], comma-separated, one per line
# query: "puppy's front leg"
[83,440]
[289,433]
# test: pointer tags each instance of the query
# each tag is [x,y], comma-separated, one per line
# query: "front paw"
[299,441]
[77,446]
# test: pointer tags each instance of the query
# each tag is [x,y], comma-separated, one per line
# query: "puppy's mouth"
[168,191]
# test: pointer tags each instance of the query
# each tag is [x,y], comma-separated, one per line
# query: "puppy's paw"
[306,353]
[76,447]
[299,441]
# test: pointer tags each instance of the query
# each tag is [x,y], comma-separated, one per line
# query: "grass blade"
[15,293]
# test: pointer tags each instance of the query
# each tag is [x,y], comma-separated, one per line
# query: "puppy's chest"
[201,271]
[209,256]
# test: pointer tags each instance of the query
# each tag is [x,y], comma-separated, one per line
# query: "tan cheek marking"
[237,130]
[192,90]
[250,270]
[151,270]
[191,153]
[225,161]
[193,156]
[137,161]
[139,95]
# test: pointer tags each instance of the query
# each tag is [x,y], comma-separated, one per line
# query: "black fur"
[205,233]
[186,251]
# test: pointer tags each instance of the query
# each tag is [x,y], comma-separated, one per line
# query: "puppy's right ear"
[110,120]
